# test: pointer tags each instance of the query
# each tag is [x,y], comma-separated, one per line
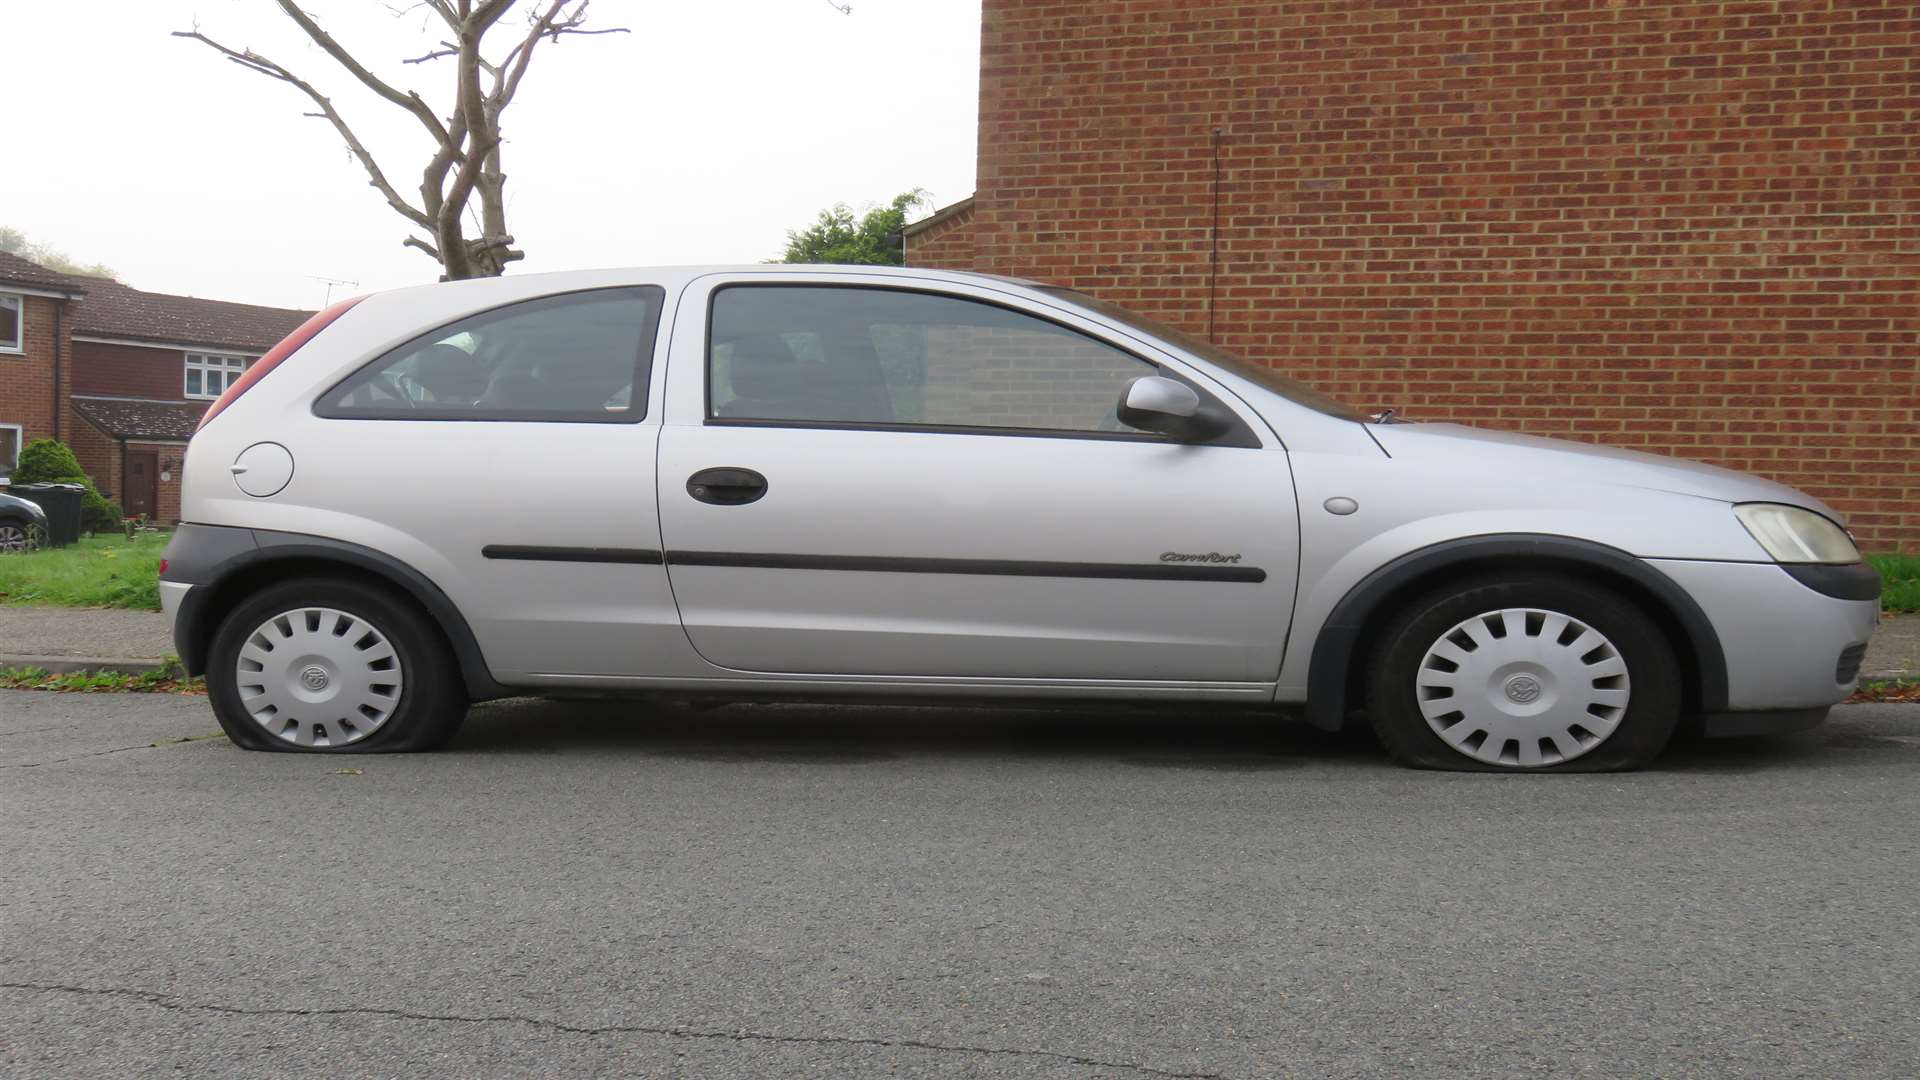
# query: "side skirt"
[903,688]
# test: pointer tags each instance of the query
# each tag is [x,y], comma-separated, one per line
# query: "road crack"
[172,1003]
[162,744]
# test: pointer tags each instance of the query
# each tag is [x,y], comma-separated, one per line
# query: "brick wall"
[1692,228]
[97,452]
[26,379]
[128,371]
[947,245]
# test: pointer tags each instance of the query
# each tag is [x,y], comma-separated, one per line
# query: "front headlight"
[1793,535]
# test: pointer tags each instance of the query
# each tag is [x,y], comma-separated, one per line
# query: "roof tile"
[140,419]
[114,310]
[15,270]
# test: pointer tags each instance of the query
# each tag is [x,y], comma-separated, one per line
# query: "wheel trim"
[1523,687]
[319,677]
[12,537]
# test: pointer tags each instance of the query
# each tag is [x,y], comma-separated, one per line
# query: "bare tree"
[466,158]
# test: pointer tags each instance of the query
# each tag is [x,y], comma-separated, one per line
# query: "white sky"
[702,136]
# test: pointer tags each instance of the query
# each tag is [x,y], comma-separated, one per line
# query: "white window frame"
[20,326]
[211,363]
[19,445]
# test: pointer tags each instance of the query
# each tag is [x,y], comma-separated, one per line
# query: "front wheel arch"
[1341,652]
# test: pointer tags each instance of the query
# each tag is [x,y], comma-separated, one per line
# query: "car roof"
[691,271]
[510,287]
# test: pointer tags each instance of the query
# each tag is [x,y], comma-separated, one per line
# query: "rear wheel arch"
[284,556]
[1342,651]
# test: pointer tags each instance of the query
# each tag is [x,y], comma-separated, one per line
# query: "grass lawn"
[1901,575]
[104,571]
[167,680]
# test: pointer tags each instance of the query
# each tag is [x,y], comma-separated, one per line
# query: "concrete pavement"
[620,889]
[1894,652]
[83,639]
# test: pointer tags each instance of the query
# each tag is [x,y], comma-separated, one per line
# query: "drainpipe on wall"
[58,307]
[123,475]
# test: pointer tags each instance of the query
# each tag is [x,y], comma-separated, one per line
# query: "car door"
[877,476]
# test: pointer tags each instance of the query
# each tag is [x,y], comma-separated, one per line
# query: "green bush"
[1900,581]
[47,461]
[99,514]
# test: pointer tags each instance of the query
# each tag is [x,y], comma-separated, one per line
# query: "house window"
[209,374]
[10,440]
[13,323]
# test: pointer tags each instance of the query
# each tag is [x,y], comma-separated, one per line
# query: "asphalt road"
[778,891]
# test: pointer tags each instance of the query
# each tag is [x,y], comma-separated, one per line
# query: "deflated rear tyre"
[333,666]
[1535,673]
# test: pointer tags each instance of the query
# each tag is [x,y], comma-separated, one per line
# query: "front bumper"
[1784,641]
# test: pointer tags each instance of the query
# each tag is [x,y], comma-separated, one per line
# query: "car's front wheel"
[332,665]
[1524,673]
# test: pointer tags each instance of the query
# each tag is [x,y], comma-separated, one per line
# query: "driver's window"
[581,356]
[866,356]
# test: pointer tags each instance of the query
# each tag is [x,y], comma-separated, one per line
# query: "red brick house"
[1688,227]
[119,374]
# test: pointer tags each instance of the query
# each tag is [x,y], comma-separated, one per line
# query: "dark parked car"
[18,518]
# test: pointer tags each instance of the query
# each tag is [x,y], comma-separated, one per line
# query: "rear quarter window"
[582,357]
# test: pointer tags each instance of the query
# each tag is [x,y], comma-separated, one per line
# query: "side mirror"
[1167,406]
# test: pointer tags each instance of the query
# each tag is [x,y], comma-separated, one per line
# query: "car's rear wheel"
[325,665]
[1525,673]
[13,536]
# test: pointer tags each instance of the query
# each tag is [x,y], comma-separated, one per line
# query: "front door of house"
[143,472]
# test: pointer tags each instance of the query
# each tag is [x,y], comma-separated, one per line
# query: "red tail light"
[287,347]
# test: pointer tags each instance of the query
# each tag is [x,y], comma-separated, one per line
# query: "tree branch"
[446,13]
[465,164]
[447,48]
[482,137]
[253,61]
[549,26]
[409,101]
[489,12]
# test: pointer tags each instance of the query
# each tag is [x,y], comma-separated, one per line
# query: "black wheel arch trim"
[1339,640]
[235,550]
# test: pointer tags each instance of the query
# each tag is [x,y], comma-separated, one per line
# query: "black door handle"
[726,486]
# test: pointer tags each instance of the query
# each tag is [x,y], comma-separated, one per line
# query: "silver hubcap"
[12,538]
[1523,687]
[319,677]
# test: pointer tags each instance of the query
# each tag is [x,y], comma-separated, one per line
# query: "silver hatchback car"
[859,483]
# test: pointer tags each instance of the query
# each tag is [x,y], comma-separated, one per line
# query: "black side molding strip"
[989,567]
[527,553]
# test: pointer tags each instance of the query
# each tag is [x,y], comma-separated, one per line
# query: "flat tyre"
[323,665]
[1533,673]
